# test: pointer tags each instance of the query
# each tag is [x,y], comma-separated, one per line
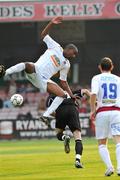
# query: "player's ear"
[112,67]
[99,67]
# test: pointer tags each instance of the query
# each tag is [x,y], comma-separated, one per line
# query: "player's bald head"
[71,46]
[70,51]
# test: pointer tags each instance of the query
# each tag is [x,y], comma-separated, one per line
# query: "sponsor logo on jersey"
[108,101]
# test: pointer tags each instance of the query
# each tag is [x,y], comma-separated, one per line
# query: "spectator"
[1,103]
[21,88]
[30,88]
[7,103]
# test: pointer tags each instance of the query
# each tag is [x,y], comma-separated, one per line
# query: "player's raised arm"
[56,20]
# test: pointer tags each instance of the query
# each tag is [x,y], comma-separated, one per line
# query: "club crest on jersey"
[55,60]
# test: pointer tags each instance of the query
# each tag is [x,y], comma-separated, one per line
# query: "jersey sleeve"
[64,72]
[94,85]
[78,93]
[50,42]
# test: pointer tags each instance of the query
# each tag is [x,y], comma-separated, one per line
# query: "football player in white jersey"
[105,89]
[55,59]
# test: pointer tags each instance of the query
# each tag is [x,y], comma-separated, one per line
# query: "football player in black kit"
[67,114]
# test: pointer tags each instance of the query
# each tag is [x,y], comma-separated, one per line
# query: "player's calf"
[67,143]
[60,136]
[78,150]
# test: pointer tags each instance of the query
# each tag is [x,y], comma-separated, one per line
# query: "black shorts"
[68,115]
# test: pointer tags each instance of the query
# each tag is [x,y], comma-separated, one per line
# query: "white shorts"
[107,124]
[39,81]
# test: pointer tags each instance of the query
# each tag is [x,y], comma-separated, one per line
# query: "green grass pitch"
[46,160]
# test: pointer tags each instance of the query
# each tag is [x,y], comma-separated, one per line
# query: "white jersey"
[107,88]
[52,60]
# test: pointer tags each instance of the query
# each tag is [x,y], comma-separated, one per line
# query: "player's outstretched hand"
[2,71]
[57,20]
[85,92]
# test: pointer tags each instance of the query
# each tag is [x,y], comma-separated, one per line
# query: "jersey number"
[110,91]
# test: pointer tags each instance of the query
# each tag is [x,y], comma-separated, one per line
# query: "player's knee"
[59,136]
[64,96]
[29,68]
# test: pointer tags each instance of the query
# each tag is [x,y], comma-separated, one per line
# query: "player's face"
[70,53]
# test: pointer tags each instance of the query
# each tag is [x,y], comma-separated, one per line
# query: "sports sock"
[63,137]
[60,136]
[78,149]
[104,153]
[118,155]
[56,102]
[14,69]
